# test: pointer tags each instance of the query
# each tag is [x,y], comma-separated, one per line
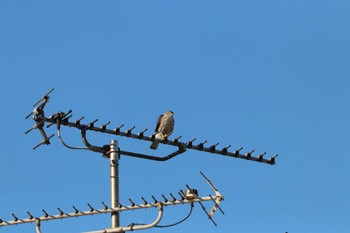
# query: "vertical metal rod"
[37,227]
[114,164]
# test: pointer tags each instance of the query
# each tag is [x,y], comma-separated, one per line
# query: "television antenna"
[113,153]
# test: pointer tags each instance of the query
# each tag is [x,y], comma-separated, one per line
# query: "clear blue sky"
[266,75]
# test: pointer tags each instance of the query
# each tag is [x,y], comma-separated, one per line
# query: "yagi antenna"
[62,119]
[190,196]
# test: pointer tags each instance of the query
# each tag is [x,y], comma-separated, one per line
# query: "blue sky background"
[266,75]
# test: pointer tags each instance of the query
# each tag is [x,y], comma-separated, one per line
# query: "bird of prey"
[165,126]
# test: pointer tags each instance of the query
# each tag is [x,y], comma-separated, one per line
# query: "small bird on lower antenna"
[164,128]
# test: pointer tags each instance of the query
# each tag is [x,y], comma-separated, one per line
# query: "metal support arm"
[104,150]
[90,146]
[150,157]
[132,227]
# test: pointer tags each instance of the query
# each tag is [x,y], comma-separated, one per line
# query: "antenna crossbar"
[183,146]
[62,118]
[105,210]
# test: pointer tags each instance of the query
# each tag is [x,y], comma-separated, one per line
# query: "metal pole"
[114,163]
[38,230]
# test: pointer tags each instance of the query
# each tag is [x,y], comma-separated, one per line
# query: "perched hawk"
[165,126]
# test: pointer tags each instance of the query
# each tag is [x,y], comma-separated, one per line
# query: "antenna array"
[113,152]
[63,118]
[188,197]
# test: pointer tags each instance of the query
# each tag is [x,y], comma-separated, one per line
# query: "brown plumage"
[164,127]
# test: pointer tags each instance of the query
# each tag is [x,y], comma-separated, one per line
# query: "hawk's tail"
[158,136]
[154,145]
